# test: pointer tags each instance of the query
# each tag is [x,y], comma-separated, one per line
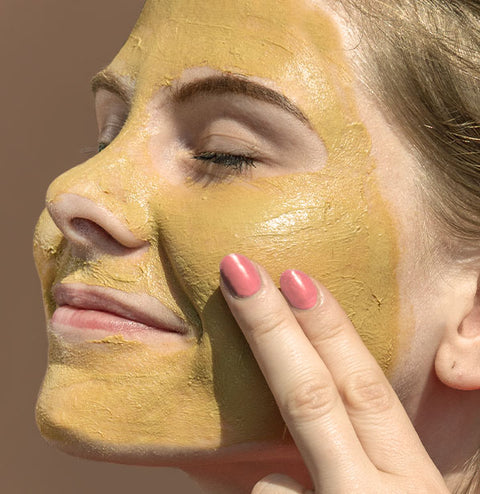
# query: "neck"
[445,419]
[447,422]
[239,477]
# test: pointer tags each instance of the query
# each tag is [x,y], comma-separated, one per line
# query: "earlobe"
[457,363]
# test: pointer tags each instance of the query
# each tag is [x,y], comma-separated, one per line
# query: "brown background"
[49,51]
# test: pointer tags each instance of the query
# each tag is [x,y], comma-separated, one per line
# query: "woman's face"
[245,134]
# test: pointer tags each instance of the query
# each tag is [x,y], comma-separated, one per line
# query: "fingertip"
[240,276]
[278,483]
[299,289]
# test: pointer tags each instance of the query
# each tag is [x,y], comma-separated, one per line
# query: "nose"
[88,225]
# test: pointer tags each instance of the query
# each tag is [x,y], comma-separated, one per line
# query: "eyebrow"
[109,81]
[233,84]
[214,85]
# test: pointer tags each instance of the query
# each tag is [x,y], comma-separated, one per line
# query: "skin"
[323,197]
[336,392]
[228,208]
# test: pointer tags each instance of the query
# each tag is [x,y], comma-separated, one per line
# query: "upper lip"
[141,308]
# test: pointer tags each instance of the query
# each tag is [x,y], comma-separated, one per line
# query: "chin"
[74,443]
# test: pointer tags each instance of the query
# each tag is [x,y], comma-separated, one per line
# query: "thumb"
[277,483]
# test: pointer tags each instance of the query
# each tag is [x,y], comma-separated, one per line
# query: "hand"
[345,418]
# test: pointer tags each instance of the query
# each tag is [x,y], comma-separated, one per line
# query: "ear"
[457,362]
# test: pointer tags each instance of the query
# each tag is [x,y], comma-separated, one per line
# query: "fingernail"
[298,289]
[240,275]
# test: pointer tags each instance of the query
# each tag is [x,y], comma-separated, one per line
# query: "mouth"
[86,312]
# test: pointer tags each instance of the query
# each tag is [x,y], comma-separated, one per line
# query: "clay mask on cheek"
[116,397]
[332,223]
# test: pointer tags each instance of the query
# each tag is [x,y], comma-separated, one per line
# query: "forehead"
[246,35]
[291,45]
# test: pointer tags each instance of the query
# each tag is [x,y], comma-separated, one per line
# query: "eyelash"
[237,162]
[101,146]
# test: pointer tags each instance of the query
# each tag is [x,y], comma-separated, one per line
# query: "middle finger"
[380,421]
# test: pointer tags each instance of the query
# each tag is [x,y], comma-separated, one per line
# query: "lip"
[86,311]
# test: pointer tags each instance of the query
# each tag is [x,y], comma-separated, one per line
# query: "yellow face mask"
[116,398]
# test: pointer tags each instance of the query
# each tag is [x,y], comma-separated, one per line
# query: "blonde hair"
[470,484]
[422,60]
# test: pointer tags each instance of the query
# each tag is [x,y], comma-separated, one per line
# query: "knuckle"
[366,390]
[328,330]
[312,398]
[268,324]
[332,321]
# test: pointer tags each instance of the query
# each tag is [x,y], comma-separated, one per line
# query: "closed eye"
[236,162]
[112,113]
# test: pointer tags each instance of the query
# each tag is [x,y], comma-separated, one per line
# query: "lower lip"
[85,324]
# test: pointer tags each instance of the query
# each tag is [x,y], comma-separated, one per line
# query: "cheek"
[336,229]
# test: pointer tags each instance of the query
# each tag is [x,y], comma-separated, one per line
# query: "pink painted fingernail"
[298,289]
[240,275]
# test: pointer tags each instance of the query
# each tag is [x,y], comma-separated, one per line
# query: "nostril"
[90,225]
[86,233]
[90,231]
